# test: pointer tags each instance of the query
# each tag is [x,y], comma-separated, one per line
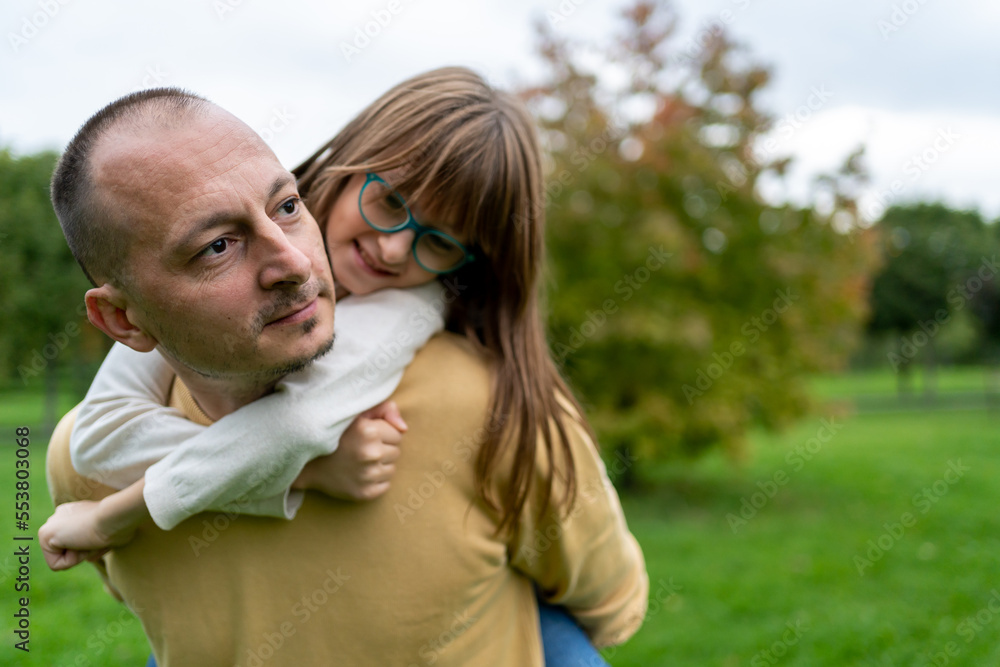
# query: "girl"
[439,177]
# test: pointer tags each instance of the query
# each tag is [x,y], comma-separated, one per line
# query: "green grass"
[73,621]
[884,381]
[793,561]
[27,407]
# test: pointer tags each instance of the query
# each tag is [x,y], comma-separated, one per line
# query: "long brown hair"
[469,153]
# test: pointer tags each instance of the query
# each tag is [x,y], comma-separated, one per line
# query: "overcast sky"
[908,78]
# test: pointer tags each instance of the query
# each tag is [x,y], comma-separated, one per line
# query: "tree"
[41,285]
[939,262]
[683,306]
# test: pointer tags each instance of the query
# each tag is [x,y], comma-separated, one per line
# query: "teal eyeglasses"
[386,211]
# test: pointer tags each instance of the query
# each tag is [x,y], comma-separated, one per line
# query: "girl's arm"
[86,529]
[124,425]
[364,463]
[258,451]
[360,469]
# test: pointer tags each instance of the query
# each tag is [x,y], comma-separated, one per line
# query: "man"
[200,248]
[199,245]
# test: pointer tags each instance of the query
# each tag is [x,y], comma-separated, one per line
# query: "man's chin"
[304,362]
[266,370]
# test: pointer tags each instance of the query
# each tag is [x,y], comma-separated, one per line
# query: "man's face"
[226,267]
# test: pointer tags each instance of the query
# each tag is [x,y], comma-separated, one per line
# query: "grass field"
[883,382]
[778,583]
[796,560]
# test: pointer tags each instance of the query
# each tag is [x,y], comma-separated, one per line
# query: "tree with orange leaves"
[684,305]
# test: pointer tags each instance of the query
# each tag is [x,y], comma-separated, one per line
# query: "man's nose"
[395,247]
[283,262]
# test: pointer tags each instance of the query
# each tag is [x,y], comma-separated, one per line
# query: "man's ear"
[106,310]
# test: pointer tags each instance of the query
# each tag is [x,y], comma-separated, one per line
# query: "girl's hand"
[73,534]
[365,461]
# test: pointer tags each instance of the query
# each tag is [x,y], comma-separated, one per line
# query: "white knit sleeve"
[123,425]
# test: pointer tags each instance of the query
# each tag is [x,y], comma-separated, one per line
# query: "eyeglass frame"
[411,223]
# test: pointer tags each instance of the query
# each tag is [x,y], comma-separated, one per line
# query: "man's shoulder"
[449,357]
[65,483]
[449,343]
[447,377]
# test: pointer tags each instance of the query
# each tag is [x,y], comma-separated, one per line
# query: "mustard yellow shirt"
[416,577]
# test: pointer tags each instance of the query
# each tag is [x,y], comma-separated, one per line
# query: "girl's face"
[364,259]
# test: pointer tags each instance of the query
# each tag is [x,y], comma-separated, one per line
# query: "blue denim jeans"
[564,643]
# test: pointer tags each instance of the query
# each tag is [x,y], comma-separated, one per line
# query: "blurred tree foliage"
[683,307]
[939,263]
[41,286]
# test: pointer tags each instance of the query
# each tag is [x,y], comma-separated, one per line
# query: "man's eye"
[215,248]
[290,207]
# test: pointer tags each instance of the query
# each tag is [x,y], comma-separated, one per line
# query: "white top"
[247,460]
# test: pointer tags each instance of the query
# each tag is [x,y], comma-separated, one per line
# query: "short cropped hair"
[95,235]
